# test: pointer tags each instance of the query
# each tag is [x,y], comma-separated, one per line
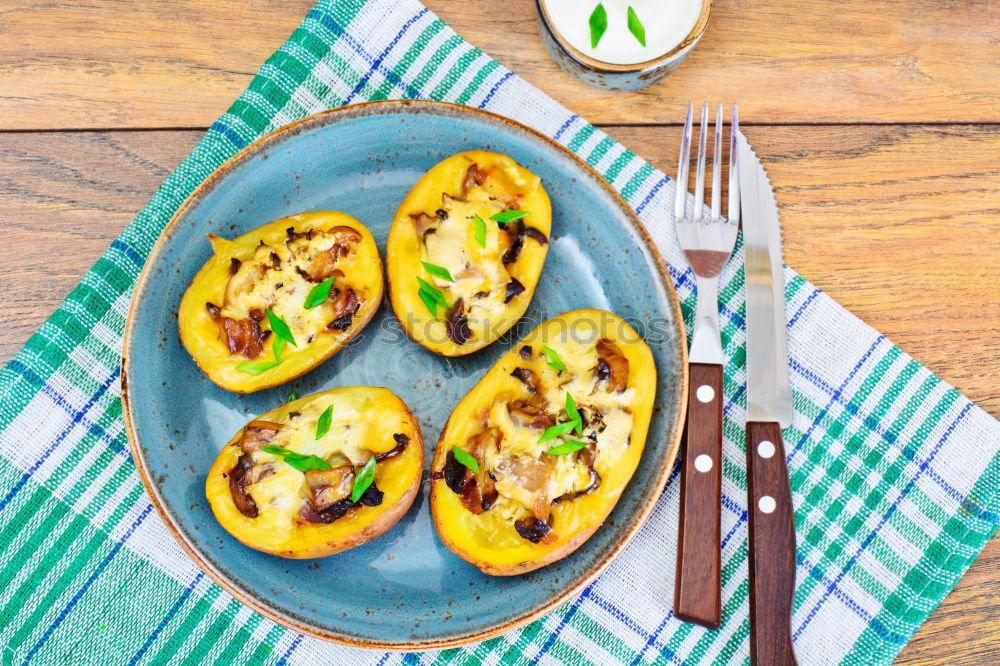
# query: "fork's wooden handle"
[696,588]
[772,547]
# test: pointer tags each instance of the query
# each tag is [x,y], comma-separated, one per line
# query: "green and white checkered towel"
[896,477]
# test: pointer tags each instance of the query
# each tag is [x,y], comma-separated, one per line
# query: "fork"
[707,245]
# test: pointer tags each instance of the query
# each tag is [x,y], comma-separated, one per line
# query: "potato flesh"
[201,334]
[490,540]
[363,423]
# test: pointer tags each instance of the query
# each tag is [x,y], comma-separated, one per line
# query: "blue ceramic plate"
[405,589]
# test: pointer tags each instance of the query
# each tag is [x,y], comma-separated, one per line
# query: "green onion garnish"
[552,358]
[509,216]
[431,296]
[598,24]
[480,230]
[575,423]
[257,367]
[558,430]
[280,328]
[568,447]
[574,415]
[318,294]
[466,459]
[323,424]
[635,26]
[364,479]
[299,461]
[437,271]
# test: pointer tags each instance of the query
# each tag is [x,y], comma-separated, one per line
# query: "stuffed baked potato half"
[278,301]
[535,456]
[466,249]
[320,474]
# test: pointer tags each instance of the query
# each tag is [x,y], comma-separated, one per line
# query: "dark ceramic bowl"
[616,77]
[405,589]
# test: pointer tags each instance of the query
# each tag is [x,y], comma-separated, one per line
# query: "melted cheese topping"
[476,269]
[214,318]
[480,276]
[436,224]
[359,428]
[363,424]
[522,458]
[500,540]
[262,283]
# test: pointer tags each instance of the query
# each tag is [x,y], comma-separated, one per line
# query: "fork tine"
[734,183]
[717,168]
[699,182]
[683,162]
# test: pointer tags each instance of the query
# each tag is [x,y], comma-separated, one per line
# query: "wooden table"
[879,122]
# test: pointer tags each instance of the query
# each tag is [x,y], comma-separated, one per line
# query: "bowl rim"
[323,118]
[700,25]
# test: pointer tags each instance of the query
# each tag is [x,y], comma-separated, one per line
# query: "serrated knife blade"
[769,395]
[771,552]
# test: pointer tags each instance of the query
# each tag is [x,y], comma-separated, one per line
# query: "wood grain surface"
[879,123]
[179,63]
[698,583]
[772,549]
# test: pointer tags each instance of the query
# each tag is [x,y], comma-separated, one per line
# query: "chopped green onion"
[306,463]
[280,328]
[598,24]
[257,367]
[574,415]
[431,296]
[480,230]
[323,424]
[466,459]
[509,216]
[558,430]
[552,358]
[437,271]
[439,298]
[299,461]
[575,423]
[635,26]
[292,395]
[428,300]
[363,480]
[318,294]
[568,447]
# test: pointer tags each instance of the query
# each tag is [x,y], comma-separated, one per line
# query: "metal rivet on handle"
[705,393]
[767,504]
[765,449]
[703,463]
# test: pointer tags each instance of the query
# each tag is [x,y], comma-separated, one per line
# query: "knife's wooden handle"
[696,588]
[772,547]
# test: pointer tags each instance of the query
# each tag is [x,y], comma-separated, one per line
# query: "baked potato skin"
[403,250]
[200,334]
[398,478]
[498,550]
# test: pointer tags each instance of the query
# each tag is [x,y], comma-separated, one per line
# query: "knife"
[769,409]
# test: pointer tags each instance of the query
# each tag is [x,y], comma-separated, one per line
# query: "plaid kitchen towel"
[895,475]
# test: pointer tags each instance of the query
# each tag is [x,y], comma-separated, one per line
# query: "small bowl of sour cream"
[621,44]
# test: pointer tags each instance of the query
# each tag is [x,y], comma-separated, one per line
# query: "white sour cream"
[667,23]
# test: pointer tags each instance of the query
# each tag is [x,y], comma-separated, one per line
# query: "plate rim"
[388,107]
